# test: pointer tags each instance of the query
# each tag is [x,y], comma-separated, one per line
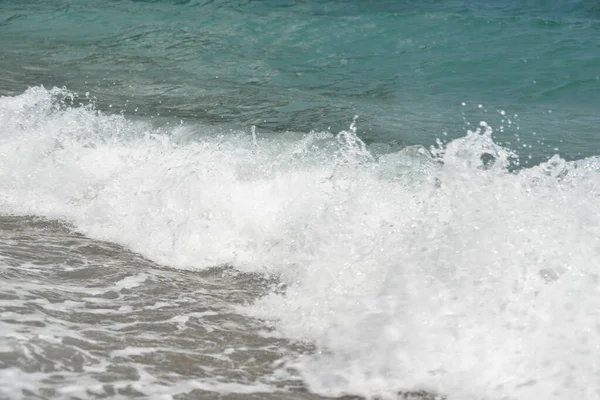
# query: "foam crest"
[435,269]
[479,283]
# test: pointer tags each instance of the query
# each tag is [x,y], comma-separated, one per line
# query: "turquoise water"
[300,199]
[403,67]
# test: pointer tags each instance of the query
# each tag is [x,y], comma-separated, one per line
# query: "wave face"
[441,269]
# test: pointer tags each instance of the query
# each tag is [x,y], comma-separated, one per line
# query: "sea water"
[299,199]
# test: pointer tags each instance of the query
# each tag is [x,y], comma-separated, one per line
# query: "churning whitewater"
[328,266]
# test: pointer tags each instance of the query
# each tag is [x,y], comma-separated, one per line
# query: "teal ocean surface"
[300,199]
[404,67]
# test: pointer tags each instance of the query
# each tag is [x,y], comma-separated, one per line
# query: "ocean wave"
[442,269]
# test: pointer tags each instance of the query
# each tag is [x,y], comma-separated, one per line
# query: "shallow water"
[88,319]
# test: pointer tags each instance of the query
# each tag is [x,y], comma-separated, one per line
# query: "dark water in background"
[266,247]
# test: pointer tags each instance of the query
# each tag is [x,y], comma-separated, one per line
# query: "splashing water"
[440,269]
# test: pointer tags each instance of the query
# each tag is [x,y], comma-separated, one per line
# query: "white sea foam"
[132,281]
[422,269]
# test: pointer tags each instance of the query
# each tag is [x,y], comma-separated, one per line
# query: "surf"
[444,269]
